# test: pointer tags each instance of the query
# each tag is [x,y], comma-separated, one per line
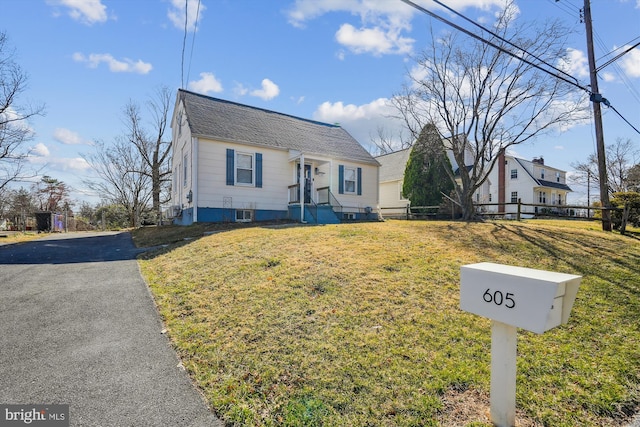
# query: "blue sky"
[337,61]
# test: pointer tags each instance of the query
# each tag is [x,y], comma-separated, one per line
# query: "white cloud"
[364,121]
[61,164]
[67,137]
[298,100]
[207,83]
[630,63]
[125,65]
[40,150]
[86,11]
[377,41]
[575,63]
[269,90]
[194,10]
[382,23]
[239,89]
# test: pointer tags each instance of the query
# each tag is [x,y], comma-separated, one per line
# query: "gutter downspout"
[301,180]
[501,182]
[194,177]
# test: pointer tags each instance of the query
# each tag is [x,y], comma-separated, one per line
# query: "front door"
[307,181]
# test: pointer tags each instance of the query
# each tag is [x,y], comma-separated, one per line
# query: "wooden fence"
[501,211]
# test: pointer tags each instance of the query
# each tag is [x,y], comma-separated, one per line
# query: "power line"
[193,40]
[566,7]
[618,48]
[500,48]
[184,42]
[594,97]
[503,39]
[618,56]
[622,117]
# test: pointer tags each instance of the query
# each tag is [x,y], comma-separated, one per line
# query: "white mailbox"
[514,297]
[535,300]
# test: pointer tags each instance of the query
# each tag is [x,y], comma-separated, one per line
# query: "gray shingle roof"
[392,165]
[552,184]
[215,118]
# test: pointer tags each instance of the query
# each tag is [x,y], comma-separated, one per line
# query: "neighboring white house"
[392,166]
[531,182]
[512,179]
[237,163]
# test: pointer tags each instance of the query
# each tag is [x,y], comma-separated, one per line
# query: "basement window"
[244,215]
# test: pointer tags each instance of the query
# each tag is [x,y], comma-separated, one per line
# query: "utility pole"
[596,99]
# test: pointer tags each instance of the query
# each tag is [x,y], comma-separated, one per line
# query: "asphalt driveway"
[78,326]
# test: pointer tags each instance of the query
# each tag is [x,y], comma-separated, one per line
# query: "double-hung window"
[514,197]
[514,173]
[542,198]
[244,168]
[185,175]
[350,180]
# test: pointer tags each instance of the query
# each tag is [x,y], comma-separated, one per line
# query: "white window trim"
[244,215]
[185,175]
[253,169]
[355,180]
[513,173]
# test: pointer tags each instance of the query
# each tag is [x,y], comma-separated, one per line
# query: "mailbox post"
[514,297]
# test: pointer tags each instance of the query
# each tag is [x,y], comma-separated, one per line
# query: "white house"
[530,181]
[392,166]
[233,162]
[511,179]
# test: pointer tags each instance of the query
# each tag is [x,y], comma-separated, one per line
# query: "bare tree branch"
[484,101]
[15,131]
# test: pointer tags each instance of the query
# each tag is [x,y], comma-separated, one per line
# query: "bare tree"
[620,157]
[117,165]
[484,100]
[633,178]
[151,144]
[15,132]
[385,142]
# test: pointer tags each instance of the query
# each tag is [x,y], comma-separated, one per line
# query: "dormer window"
[541,173]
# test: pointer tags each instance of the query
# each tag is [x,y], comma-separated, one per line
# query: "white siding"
[370,188]
[212,178]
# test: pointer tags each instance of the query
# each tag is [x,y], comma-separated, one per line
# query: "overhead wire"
[503,39]
[500,48]
[193,40]
[184,42]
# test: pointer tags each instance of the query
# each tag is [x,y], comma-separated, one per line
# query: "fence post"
[408,210]
[519,209]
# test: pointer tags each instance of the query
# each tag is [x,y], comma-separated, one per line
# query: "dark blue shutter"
[259,170]
[230,167]
[359,181]
[340,179]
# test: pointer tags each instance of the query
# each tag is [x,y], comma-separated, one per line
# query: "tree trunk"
[466,204]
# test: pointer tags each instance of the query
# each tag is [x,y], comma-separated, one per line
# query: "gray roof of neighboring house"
[392,165]
[229,121]
[542,182]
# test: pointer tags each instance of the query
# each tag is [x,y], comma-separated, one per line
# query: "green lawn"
[359,324]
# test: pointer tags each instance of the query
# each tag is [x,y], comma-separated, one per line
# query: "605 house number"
[499,298]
